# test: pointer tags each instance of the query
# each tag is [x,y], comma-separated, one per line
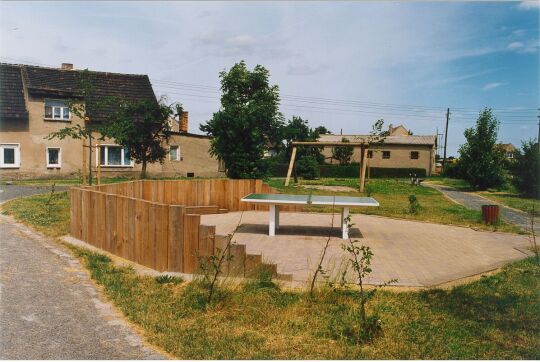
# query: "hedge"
[352,171]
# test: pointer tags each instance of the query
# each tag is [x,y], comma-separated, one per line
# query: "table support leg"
[277,217]
[344,223]
[272,220]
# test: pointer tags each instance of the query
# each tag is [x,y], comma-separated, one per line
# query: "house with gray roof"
[34,102]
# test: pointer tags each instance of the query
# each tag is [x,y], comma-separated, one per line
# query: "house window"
[369,154]
[415,155]
[10,155]
[174,153]
[57,110]
[386,154]
[509,154]
[54,157]
[114,156]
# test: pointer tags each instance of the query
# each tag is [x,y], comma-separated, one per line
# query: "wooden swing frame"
[363,156]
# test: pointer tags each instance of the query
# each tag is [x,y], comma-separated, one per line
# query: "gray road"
[475,202]
[8,192]
[50,309]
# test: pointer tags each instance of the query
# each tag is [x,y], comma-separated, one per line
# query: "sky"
[338,64]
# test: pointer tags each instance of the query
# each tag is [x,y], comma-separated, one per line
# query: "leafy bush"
[308,168]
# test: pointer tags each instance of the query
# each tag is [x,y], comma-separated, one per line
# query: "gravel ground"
[50,308]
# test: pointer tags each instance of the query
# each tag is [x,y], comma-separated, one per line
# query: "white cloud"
[492,85]
[515,45]
[526,5]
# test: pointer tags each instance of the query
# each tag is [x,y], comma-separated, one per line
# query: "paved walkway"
[475,202]
[416,253]
[50,309]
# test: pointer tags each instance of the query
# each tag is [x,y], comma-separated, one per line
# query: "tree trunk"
[90,161]
[143,170]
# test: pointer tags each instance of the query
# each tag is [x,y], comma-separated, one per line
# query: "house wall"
[400,156]
[33,147]
[194,158]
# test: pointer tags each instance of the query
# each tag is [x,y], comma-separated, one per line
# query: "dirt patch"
[330,188]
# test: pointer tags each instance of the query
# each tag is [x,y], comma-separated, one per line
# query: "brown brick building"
[34,103]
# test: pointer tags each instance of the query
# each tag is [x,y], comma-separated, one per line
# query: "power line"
[362,107]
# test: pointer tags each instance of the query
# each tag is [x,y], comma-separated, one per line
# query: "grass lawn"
[496,317]
[393,195]
[506,195]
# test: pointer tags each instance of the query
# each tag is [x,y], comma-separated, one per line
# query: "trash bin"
[490,214]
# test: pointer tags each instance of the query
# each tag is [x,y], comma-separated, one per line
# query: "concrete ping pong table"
[275,200]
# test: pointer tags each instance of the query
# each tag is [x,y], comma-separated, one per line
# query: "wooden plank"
[238,259]
[160,185]
[145,232]
[176,238]
[149,257]
[207,235]
[110,217]
[291,164]
[130,240]
[167,192]
[191,241]
[162,237]
[101,204]
[202,210]
[119,250]
[363,171]
[252,264]
[141,223]
[91,223]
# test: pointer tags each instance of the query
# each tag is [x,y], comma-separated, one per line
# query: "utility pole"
[446,138]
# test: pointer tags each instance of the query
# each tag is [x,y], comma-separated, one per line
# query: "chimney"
[67,66]
[184,122]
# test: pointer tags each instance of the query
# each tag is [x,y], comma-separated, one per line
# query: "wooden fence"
[223,193]
[158,224]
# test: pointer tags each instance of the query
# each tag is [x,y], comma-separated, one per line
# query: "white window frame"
[177,153]
[17,155]
[107,156]
[54,165]
[62,119]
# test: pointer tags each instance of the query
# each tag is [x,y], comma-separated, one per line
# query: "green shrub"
[168,279]
[308,168]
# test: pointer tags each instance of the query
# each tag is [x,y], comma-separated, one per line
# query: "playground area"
[417,254]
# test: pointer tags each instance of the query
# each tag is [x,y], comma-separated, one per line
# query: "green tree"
[344,153]
[78,107]
[143,128]
[481,161]
[297,129]
[526,169]
[248,123]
